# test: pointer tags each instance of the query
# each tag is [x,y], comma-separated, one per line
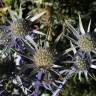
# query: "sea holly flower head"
[86,44]
[19,27]
[81,63]
[43,58]
[83,40]
[44,64]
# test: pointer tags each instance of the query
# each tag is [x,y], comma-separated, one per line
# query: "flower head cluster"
[18,27]
[84,40]
[85,44]
[43,58]
[44,64]
[45,67]
[81,65]
[82,46]
[40,64]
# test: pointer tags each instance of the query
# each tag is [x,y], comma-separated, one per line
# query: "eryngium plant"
[45,65]
[83,41]
[18,27]
[81,63]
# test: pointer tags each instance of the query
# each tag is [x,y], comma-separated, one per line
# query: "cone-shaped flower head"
[81,62]
[82,65]
[43,58]
[85,43]
[83,40]
[19,27]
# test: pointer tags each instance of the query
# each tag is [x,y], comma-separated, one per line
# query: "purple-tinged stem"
[61,85]
[37,82]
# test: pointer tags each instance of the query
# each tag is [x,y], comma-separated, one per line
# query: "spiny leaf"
[34,18]
[81,26]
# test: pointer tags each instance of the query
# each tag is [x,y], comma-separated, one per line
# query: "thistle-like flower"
[83,41]
[43,58]
[44,64]
[19,27]
[81,63]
